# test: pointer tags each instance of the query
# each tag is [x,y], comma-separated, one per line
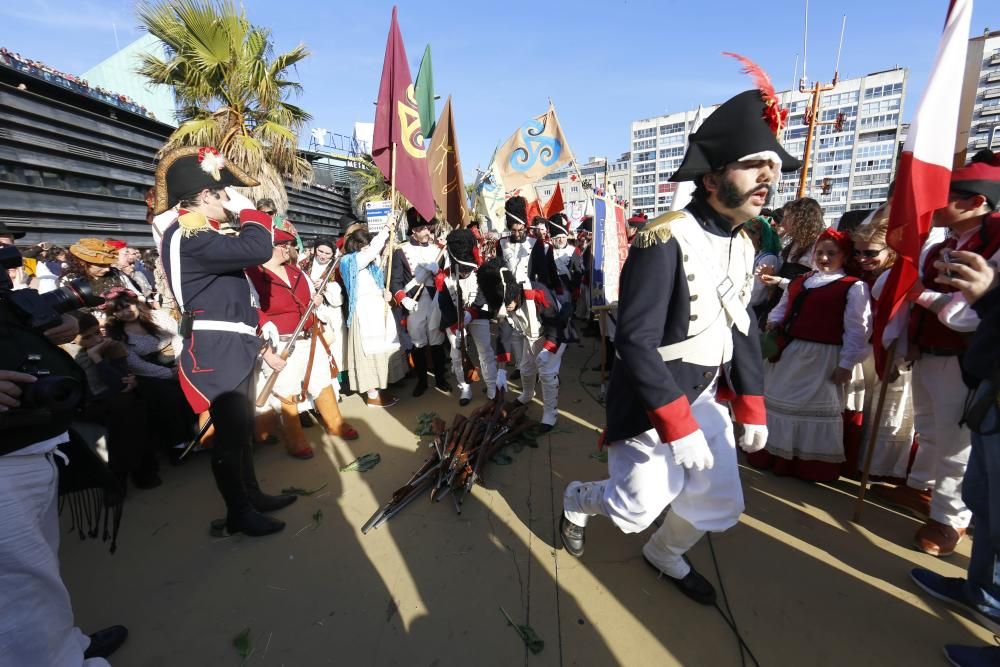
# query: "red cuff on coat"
[253,215]
[439,281]
[538,296]
[674,420]
[749,410]
[503,357]
[399,296]
[551,346]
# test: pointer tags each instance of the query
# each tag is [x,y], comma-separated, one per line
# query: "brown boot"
[296,443]
[938,539]
[917,503]
[329,414]
[266,426]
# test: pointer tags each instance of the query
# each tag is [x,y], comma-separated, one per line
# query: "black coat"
[653,311]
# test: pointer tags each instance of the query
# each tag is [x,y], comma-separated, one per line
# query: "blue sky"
[603,64]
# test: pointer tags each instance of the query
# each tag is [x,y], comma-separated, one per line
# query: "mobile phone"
[947,259]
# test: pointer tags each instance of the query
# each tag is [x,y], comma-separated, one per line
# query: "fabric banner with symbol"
[397,122]
[446,171]
[536,149]
[490,198]
[610,251]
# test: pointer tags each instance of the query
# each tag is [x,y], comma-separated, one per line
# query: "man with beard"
[686,340]
[568,265]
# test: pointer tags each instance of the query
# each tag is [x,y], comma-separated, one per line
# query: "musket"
[262,397]
[483,447]
[290,345]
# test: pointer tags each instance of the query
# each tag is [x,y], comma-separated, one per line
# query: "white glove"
[543,357]
[692,451]
[754,438]
[410,304]
[421,274]
[502,378]
[379,240]
[237,202]
[269,332]
[467,318]
[431,267]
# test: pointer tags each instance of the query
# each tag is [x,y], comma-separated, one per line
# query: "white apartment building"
[979,114]
[854,163]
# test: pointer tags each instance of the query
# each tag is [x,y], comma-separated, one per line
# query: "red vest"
[280,303]
[925,329]
[820,318]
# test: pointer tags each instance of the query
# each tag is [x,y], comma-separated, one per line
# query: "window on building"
[644,133]
[879,122]
[672,128]
[881,106]
[883,91]
[644,144]
[672,140]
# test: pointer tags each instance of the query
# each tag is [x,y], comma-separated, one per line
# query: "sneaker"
[952,591]
[972,656]
[938,539]
[573,536]
[917,503]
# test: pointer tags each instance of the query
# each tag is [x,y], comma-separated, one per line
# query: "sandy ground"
[806,585]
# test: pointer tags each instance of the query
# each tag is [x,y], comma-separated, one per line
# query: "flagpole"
[392,218]
[873,436]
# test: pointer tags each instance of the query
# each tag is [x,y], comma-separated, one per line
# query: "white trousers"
[943,452]
[36,621]
[644,480]
[289,382]
[477,331]
[533,372]
[424,324]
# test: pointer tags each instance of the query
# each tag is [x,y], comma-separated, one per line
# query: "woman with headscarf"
[371,337]
[825,319]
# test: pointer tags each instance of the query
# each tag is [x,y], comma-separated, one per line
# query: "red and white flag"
[555,203]
[923,176]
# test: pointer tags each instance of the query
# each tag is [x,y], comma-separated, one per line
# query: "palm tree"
[231,89]
[372,185]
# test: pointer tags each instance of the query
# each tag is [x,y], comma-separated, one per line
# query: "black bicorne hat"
[186,171]
[735,130]
[414,219]
[586,225]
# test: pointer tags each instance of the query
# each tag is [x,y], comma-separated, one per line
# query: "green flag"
[424,90]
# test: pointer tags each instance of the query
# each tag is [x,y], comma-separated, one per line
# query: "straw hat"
[94,251]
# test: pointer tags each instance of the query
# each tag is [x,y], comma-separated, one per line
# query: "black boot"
[440,368]
[105,642]
[259,500]
[420,369]
[241,517]
[693,585]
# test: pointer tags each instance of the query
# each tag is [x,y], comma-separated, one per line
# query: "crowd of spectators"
[77,84]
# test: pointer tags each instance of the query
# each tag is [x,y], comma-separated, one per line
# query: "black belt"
[941,351]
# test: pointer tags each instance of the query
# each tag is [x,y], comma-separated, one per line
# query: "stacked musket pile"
[459,454]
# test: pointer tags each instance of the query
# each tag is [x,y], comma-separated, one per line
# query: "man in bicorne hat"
[940,325]
[685,341]
[206,272]
[415,265]
[568,265]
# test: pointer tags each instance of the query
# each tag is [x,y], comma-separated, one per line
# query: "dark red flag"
[397,122]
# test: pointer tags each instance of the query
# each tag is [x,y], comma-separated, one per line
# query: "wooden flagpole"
[890,355]
[392,220]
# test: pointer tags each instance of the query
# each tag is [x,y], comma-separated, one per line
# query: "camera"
[41,311]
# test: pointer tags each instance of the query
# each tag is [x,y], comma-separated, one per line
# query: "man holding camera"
[36,627]
[218,364]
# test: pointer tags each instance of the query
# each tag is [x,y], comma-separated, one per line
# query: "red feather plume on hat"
[774,114]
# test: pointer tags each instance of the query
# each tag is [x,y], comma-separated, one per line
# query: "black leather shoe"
[253,524]
[262,502]
[443,385]
[105,642]
[573,536]
[420,388]
[544,428]
[693,585]
[464,401]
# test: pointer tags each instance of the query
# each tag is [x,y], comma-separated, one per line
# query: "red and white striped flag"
[923,175]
